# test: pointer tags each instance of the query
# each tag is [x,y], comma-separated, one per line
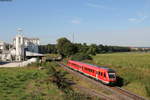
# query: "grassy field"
[134,68]
[52,55]
[31,83]
[26,84]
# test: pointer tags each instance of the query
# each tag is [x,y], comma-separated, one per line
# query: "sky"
[108,22]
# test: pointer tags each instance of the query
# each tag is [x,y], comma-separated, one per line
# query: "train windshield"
[112,75]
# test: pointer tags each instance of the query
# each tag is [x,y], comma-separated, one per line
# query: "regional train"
[105,75]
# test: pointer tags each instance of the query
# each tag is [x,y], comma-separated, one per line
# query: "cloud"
[144,18]
[92,5]
[138,19]
[75,21]
[132,19]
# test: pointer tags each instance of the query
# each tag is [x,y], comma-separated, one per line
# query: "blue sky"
[109,22]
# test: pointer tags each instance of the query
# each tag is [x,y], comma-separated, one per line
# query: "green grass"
[30,83]
[26,84]
[52,55]
[134,68]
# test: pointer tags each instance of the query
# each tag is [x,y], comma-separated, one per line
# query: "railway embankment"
[115,93]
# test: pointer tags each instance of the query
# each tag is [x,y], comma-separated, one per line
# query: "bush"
[81,56]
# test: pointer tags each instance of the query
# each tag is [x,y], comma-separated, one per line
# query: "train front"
[112,77]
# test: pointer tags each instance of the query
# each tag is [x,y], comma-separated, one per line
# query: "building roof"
[28,53]
[26,37]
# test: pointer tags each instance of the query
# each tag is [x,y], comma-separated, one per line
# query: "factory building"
[19,48]
[2,46]
[23,44]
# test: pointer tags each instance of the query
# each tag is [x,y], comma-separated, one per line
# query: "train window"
[101,74]
[111,75]
[104,74]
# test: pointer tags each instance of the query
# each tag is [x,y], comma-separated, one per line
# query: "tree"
[65,47]
[92,49]
[49,48]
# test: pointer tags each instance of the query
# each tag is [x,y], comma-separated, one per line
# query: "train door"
[102,76]
[97,74]
[80,68]
[105,77]
[83,69]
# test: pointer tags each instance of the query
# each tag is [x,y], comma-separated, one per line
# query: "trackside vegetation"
[26,84]
[33,83]
[80,57]
[133,68]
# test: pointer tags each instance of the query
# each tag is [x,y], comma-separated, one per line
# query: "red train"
[104,74]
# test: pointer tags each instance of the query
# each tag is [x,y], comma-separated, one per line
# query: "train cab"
[111,76]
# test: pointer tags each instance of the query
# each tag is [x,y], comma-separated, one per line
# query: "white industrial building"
[19,48]
[2,45]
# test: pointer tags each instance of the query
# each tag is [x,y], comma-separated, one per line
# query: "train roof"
[95,66]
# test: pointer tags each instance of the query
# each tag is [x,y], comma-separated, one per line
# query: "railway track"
[92,92]
[128,93]
[119,93]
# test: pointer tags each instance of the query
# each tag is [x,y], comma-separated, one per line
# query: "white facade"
[2,45]
[20,46]
[23,44]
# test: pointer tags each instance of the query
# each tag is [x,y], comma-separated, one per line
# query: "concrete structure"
[20,47]
[23,44]
[3,52]
[19,64]
[2,46]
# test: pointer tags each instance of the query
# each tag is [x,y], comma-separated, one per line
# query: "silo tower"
[19,45]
